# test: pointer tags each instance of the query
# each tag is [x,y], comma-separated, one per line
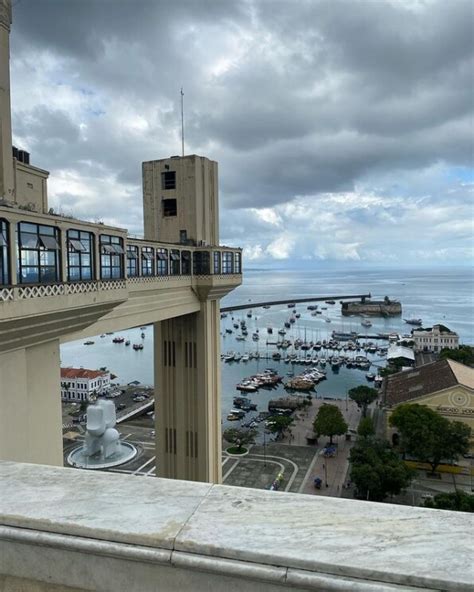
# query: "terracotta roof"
[81,373]
[425,380]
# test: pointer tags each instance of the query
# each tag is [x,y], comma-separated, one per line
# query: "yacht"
[366,323]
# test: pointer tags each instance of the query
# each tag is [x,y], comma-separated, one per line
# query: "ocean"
[436,296]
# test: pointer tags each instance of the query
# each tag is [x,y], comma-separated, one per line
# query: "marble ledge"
[294,540]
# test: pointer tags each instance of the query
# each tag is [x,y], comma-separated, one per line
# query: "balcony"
[94,531]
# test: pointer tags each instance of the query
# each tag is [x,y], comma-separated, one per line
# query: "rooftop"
[81,373]
[398,351]
[425,380]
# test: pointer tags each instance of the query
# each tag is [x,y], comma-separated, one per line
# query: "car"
[121,406]
[152,433]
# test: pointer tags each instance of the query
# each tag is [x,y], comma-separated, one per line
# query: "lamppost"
[325,467]
[264,448]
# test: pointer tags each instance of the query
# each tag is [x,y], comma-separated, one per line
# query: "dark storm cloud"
[293,99]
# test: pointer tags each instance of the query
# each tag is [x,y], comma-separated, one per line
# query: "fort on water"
[366,306]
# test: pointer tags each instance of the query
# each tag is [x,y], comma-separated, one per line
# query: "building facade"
[445,386]
[435,338]
[80,384]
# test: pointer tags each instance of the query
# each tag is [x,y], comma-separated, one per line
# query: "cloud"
[343,130]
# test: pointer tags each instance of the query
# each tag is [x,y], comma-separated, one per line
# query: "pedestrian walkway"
[332,471]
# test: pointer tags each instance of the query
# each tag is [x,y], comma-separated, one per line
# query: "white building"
[435,338]
[78,384]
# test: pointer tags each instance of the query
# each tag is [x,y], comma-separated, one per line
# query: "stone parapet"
[93,531]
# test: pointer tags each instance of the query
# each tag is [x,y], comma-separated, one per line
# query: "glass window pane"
[29,275]
[49,242]
[28,240]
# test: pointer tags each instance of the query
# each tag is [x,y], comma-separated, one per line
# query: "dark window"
[38,261]
[185,262]
[148,261]
[227,262]
[217,262]
[201,260]
[238,263]
[80,255]
[111,257]
[169,207]
[175,263]
[4,250]
[168,180]
[161,261]
[132,261]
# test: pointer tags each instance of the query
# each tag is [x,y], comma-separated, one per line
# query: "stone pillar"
[187,380]
[30,405]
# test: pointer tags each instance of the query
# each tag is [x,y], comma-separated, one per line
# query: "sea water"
[436,296]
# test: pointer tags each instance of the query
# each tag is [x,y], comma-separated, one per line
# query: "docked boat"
[247,386]
[137,346]
[118,339]
[312,307]
[417,322]
[287,324]
[330,301]
[366,323]
[240,337]
[88,343]
[370,377]
[266,306]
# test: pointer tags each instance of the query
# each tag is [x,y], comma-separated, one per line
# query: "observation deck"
[62,277]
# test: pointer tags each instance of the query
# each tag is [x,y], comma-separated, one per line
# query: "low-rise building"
[79,384]
[401,354]
[445,386]
[433,339]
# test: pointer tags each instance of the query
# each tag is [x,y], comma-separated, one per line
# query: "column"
[187,399]
[30,405]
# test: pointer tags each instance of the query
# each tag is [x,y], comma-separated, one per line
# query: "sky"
[343,129]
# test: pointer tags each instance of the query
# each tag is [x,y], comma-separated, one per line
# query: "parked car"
[121,406]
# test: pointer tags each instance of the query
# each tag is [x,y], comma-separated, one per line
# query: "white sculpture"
[101,436]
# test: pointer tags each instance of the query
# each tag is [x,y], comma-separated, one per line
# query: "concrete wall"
[102,531]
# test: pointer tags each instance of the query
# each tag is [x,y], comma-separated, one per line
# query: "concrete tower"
[180,200]
[6,162]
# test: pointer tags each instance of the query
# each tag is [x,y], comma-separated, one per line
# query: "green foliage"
[366,428]
[464,355]
[277,424]
[428,436]
[239,436]
[363,396]
[458,501]
[377,471]
[330,422]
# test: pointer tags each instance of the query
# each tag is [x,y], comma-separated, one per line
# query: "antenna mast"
[182,122]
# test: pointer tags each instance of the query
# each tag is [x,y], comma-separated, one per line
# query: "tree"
[363,396]
[239,437]
[458,501]
[464,354]
[277,424]
[428,436]
[366,428]
[377,471]
[329,422]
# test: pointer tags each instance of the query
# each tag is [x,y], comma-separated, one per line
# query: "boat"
[297,315]
[127,342]
[330,301]
[292,319]
[366,323]
[228,331]
[269,330]
[327,319]
[143,328]
[282,332]
[88,342]
[223,315]
[103,335]
[266,306]
[291,305]
[247,386]
[240,337]
[378,380]
[118,339]
[245,358]
[417,322]
[137,346]
[143,335]
[287,324]
[249,314]
[312,307]
[370,377]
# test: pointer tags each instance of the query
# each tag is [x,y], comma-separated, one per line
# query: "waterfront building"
[80,384]
[63,279]
[445,386]
[433,339]
[399,353]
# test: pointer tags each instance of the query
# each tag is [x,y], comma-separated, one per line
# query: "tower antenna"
[182,122]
